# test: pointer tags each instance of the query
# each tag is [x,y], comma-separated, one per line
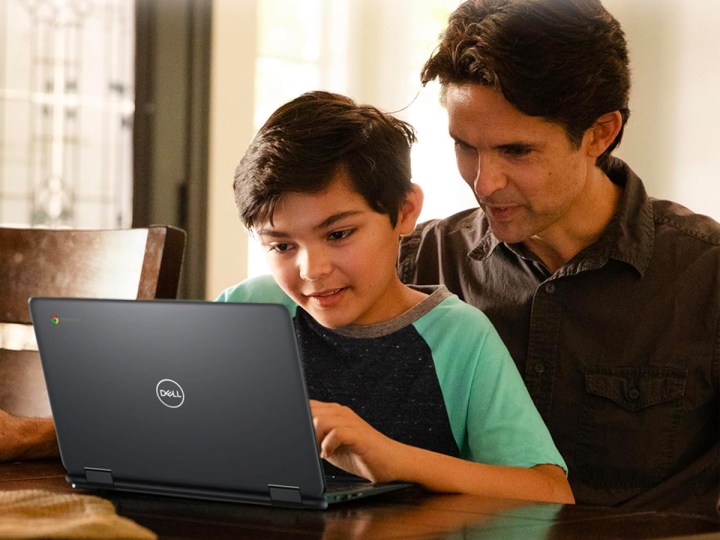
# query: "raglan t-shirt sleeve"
[491,413]
[258,290]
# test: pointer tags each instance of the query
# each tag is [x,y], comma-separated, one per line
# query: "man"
[608,301]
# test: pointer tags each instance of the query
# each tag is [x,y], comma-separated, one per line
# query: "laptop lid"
[185,398]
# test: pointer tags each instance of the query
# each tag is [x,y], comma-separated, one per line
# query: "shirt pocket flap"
[635,388]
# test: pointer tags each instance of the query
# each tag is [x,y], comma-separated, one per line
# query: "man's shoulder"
[682,224]
[460,223]
[458,233]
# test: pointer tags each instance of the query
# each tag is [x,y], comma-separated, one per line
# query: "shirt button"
[550,288]
[633,394]
[539,368]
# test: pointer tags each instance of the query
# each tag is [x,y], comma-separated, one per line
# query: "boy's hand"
[348,442]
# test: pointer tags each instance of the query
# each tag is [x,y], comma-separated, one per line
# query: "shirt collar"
[629,237]
[488,242]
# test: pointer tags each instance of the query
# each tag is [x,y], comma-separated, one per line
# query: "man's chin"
[508,235]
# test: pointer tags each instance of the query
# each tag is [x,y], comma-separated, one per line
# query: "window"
[372,51]
[66,108]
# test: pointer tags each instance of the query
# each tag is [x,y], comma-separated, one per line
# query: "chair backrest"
[125,263]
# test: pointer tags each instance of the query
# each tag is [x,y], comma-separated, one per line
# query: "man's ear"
[603,132]
[410,210]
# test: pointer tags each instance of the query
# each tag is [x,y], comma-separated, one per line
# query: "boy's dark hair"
[308,141]
[563,60]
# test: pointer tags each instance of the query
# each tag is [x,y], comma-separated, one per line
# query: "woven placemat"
[35,513]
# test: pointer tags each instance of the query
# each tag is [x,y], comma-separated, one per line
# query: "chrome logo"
[54,320]
[170,393]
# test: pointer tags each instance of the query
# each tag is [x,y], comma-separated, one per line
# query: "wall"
[672,140]
[231,128]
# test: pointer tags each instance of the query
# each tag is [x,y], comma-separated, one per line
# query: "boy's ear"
[410,210]
[603,132]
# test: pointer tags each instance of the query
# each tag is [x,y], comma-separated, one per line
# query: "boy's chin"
[330,318]
[329,322]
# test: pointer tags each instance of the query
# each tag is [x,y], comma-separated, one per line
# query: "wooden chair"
[126,264]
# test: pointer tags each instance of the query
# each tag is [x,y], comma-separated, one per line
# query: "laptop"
[184,398]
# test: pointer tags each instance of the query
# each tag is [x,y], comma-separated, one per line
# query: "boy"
[406,383]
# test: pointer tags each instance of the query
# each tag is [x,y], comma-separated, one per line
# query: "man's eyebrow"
[500,146]
[456,138]
[324,224]
[514,145]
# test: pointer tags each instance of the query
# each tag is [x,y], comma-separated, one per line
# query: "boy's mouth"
[325,299]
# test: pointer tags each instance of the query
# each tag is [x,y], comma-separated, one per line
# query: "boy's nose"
[314,266]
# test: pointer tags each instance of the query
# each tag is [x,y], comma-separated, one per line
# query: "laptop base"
[198,493]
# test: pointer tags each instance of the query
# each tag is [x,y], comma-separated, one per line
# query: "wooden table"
[408,514]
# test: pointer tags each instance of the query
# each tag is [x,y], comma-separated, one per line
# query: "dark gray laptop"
[182,398]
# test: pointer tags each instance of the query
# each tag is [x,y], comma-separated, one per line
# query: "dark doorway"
[170,144]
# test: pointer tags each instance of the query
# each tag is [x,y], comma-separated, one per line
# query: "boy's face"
[335,256]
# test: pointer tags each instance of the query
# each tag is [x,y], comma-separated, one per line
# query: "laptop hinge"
[284,495]
[99,476]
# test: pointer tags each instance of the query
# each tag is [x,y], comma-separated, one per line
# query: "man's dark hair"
[563,60]
[308,141]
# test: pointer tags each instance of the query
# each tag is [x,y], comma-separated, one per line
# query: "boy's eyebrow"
[324,224]
[335,218]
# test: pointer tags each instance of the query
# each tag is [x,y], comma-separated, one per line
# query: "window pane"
[66,106]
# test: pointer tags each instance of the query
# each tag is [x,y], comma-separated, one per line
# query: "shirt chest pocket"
[635,389]
[630,419]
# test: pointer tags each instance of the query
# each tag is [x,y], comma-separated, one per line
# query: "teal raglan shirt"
[491,415]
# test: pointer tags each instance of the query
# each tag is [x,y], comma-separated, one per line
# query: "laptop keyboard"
[335,484]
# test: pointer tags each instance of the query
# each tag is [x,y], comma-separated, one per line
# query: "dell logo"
[170,393]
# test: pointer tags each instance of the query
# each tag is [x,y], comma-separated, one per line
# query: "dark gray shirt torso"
[619,348]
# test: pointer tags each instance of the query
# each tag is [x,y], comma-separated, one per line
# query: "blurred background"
[120,113]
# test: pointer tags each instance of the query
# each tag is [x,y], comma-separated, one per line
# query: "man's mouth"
[501,213]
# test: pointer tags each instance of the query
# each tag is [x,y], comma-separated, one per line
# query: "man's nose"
[488,178]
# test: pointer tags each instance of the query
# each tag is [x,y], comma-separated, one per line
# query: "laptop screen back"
[173,393]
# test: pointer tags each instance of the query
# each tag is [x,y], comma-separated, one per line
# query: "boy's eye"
[279,247]
[340,235]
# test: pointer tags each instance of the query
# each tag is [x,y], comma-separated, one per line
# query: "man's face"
[335,256]
[526,174]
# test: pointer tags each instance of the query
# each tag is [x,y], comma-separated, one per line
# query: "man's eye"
[516,150]
[463,147]
[340,235]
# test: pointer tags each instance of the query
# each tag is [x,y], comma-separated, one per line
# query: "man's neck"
[583,226]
